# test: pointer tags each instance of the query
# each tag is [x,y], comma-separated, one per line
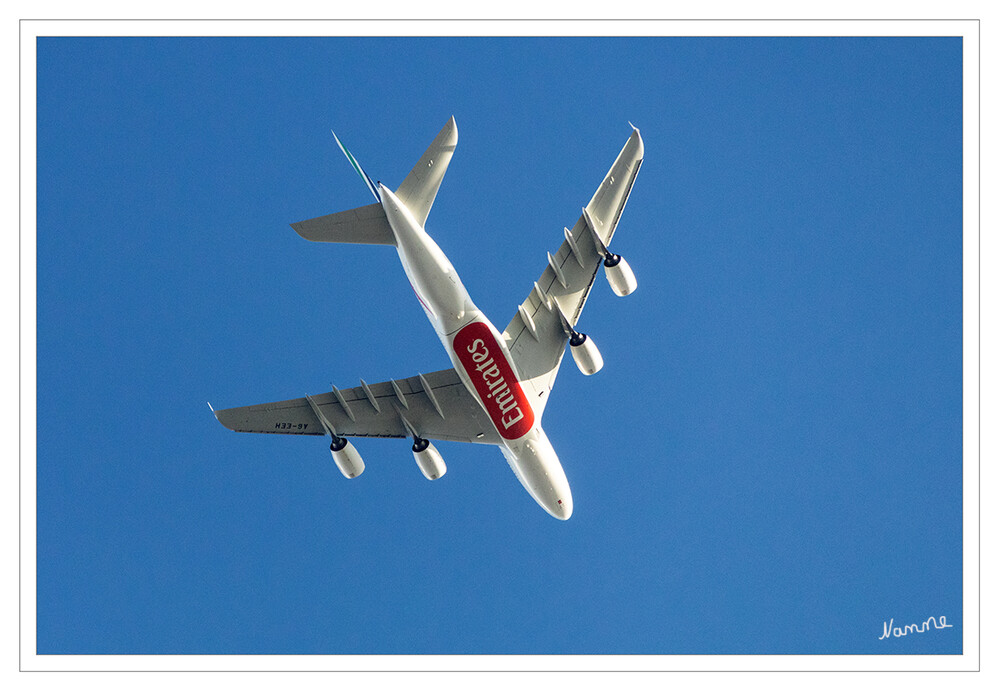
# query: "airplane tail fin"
[419,189]
[357,168]
[367,224]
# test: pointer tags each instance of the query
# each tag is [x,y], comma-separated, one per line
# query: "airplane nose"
[539,471]
[563,508]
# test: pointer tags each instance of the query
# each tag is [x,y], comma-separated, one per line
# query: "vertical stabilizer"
[372,187]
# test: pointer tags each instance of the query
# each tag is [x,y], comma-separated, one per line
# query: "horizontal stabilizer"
[365,225]
[419,189]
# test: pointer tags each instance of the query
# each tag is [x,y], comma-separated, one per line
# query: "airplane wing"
[535,335]
[437,405]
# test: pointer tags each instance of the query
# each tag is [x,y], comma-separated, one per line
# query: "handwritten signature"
[899,631]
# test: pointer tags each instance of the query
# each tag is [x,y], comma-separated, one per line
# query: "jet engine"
[429,459]
[585,353]
[346,457]
[620,276]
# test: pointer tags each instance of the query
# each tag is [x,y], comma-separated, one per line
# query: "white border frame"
[969,30]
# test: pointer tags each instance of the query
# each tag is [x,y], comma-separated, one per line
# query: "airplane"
[497,391]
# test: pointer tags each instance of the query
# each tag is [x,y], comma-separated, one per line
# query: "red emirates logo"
[493,377]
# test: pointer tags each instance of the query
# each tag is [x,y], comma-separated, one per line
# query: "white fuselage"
[481,358]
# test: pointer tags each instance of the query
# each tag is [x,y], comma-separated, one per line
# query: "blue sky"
[769,462]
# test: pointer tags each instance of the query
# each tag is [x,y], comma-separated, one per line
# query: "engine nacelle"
[429,459]
[585,353]
[620,276]
[346,458]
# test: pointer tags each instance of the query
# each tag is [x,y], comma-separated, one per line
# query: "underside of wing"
[535,335]
[436,405]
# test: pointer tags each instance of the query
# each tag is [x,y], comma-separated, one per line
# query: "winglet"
[216,414]
[372,187]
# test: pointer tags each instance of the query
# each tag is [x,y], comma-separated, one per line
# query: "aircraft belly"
[431,275]
[481,358]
